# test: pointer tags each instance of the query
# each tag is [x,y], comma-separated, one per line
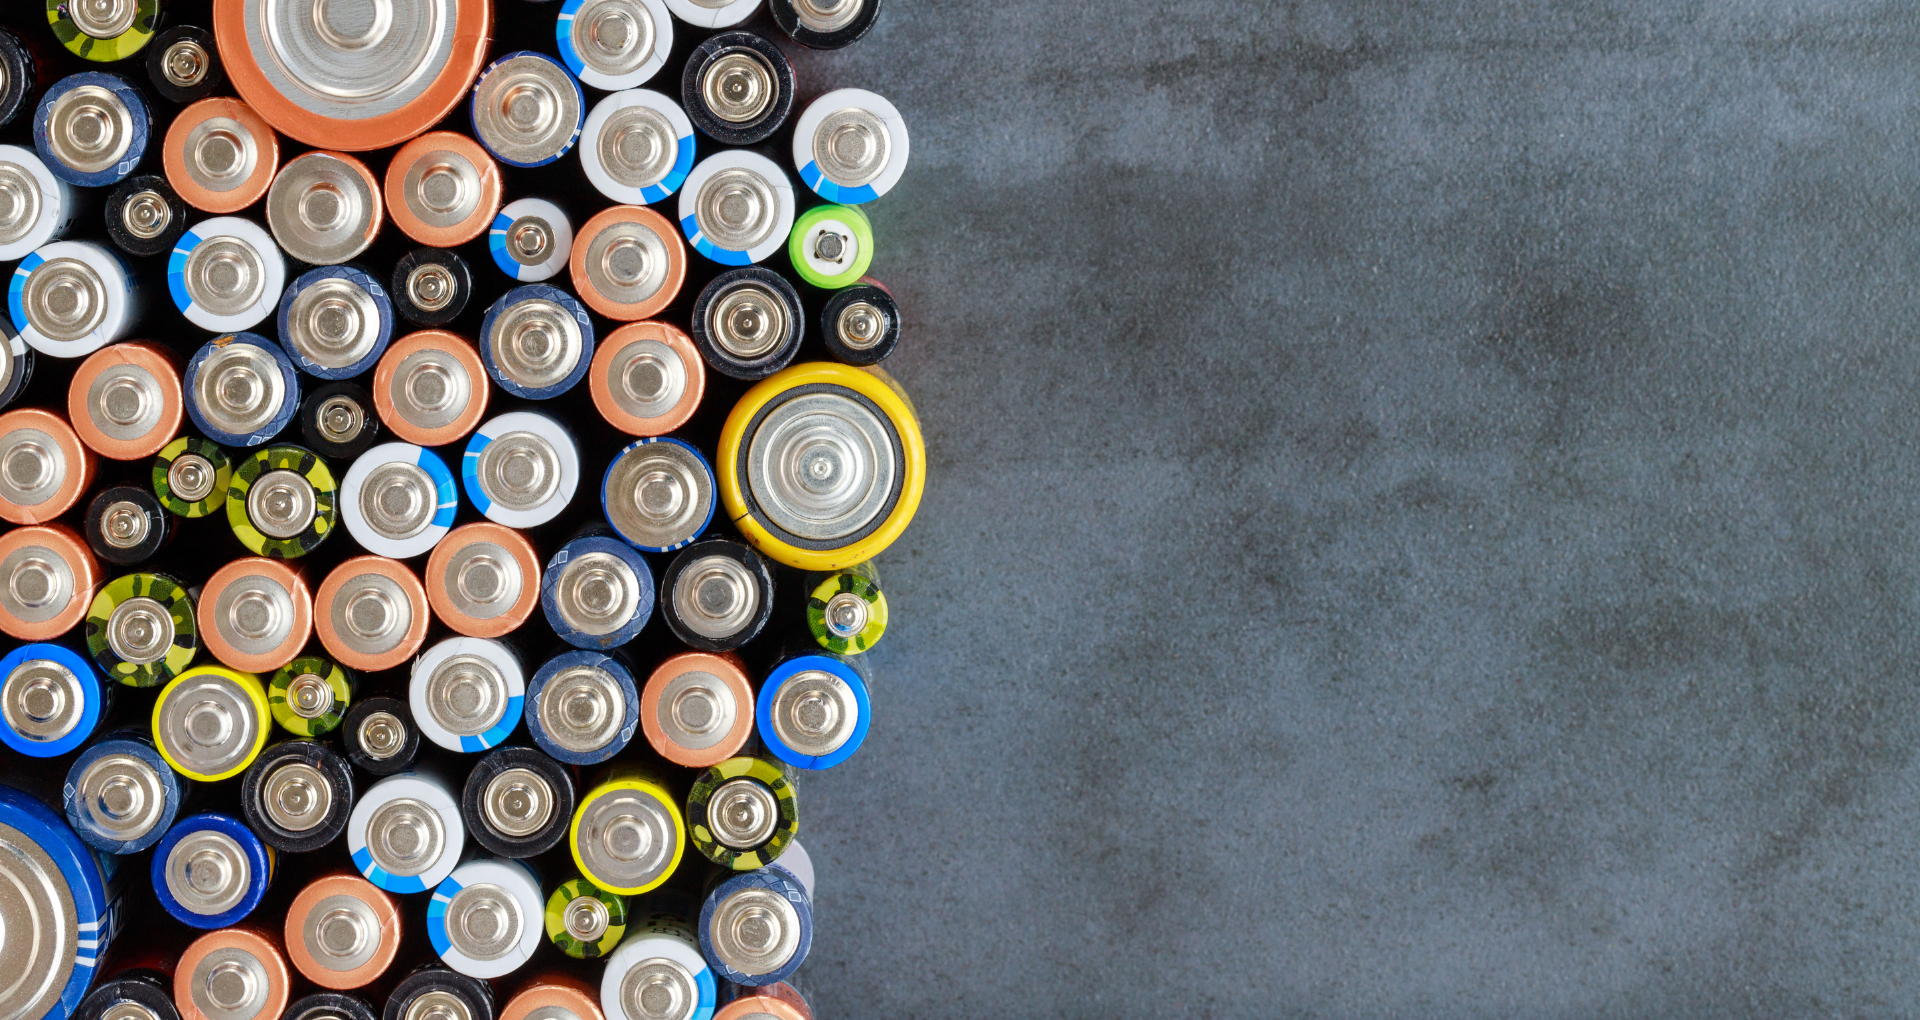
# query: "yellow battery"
[211,722]
[627,835]
[585,921]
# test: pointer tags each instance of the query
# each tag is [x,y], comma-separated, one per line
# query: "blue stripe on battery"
[629,695]
[709,993]
[259,869]
[15,310]
[95,885]
[769,688]
[363,859]
[139,120]
[470,471]
[713,485]
[497,244]
[95,696]
[359,278]
[508,721]
[177,270]
[563,36]
[550,586]
[437,914]
[170,794]
[690,225]
[682,166]
[543,292]
[778,882]
[833,192]
[443,487]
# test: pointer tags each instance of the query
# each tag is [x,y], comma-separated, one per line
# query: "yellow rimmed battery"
[821,466]
[741,813]
[847,612]
[585,921]
[310,695]
[103,32]
[211,722]
[141,629]
[280,502]
[627,835]
[190,475]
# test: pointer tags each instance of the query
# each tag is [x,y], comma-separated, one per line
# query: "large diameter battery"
[121,796]
[131,994]
[399,500]
[104,32]
[850,146]
[51,699]
[325,208]
[627,835]
[67,902]
[814,710]
[142,629]
[485,919]
[226,274]
[145,216]
[647,378]
[297,795]
[42,206]
[211,722]
[310,696]
[126,400]
[47,468]
[597,592]
[748,323]
[338,421]
[637,146]
[379,736]
[483,580]
[517,802]
[211,871]
[777,1001]
[431,387]
[442,189]
[583,707]
[860,324]
[658,973]
[41,298]
[219,155]
[847,610]
[658,493]
[92,128]
[736,207]
[371,613]
[405,834]
[628,262]
[554,995]
[241,389]
[342,932]
[756,927]
[184,64]
[282,502]
[742,814]
[434,992]
[431,286]
[467,693]
[521,469]
[585,921]
[126,525]
[191,475]
[716,595]
[697,709]
[336,321]
[531,240]
[233,974]
[527,109]
[831,246]
[50,577]
[614,44]
[255,614]
[536,342]
[737,87]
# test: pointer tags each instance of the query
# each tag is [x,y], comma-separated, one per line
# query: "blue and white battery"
[486,918]
[597,592]
[658,494]
[467,693]
[713,14]
[39,298]
[736,207]
[121,796]
[536,341]
[521,469]
[850,146]
[814,710]
[66,902]
[659,959]
[336,321]
[583,706]
[531,240]
[42,206]
[637,146]
[92,128]
[756,927]
[612,60]
[241,389]
[226,274]
[398,500]
[51,699]
[527,108]
[405,834]
[210,870]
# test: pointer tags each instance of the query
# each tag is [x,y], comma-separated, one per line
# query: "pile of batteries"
[405,269]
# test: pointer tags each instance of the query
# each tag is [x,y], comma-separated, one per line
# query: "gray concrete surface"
[1420,521]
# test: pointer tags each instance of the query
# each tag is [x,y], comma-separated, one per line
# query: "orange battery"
[443,189]
[628,262]
[686,702]
[219,155]
[647,378]
[778,1000]
[255,614]
[343,931]
[555,994]
[47,578]
[483,580]
[324,207]
[249,983]
[43,466]
[125,401]
[431,388]
[371,613]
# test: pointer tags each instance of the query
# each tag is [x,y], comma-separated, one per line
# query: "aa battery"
[64,902]
[628,262]
[583,707]
[741,813]
[325,208]
[531,240]
[517,803]
[824,24]
[796,862]
[748,323]
[442,189]
[71,298]
[521,469]
[191,475]
[756,927]
[847,610]
[210,870]
[713,13]
[137,994]
[338,421]
[22,75]
[536,342]
[211,722]
[860,324]
[226,274]
[141,629]
[405,834]
[342,932]
[329,1006]
[614,44]
[637,146]
[241,389]
[121,796]
[296,795]
[585,921]
[282,501]
[336,321]
[379,736]
[658,493]
[813,710]
[554,995]
[51,699]
[104,32]
[145,216]
[484,919]
[850,145]
[431,286]
[658,974]
[777,1001]
[184,64]
[50,577]
[467,693]
[46,466]
[433,992]
[716,595]
[40,206]
[255,614]
[233,974]
[627,836]
[647,378]
[219,155]
[398,500]
[16,362]
[371,613]
[831,246]
[697,709]
[92,128]
[483,580]
[737,87]
[597,592]
[310,696]
[430,388]
[126,525]
[527,109]
[736,207]
[126,400]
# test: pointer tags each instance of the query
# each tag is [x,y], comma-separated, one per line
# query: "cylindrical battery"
[861,323]
[405,834]
[658,974]
[431,286]
[628,262]
[211,722]
[527,109]
[71,298]
[517,803]
[371,613]
[847,611]
[325,208]
[583,707]
[756,927]
[824,24]
[104,32]
[125,400]
[126,525]
[92,128]
[398,500]
[536,342]
[484,919]
[614,44]
[831,246]
[51,699]
[553,996]
[467,693]
[145,216]
[338,421]
[777,1001]
[16,362]
[521,469]
[737,87]
[137,994]
[433,992]
[46,466]
[141,629]
[736,207]
[658,493]
[241,389]
[716,595]
[23,73]
[585,921]
[748,323]
[483,580]
[219,155]
[531,240]
[379,736]
[637,146]
[741,813]
[65,906]
[50,576]
[336,321]
[627,836]
[255,614]
[310,696]
[40,206]
[813,710]
[330,1006]
[597,592]
[184,64]
[121,796]
[297,795]
[442,189]
[191,475]
[431,388]
[282,501]
[233,974]
[342,931]
[226,274]
[713,13]
[210,870]
[697,709]
[850,145]
[647,378]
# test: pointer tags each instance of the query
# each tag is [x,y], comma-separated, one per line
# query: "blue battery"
[559,71]
[132,744]
[781,884]
[542,292]
[94,884]
[611,666]
[42,681]
[642,531]
[599,543]
[787,671]
[383,309]
[282,417]
[139,128]
[259,862]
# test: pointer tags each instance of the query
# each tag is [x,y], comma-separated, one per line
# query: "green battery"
[741,813]
[585,921]
[831,246]
[847,611]
[280,502]
[141,629]
[310,695]
[103,32]
[190,475]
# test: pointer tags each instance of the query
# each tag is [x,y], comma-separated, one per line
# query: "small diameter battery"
[226,274]
[583,707]
[554,994]
[483,580]
[741,813]
[831,246]
[16,362]
[658,494]
[336,322]
[69,900]
[23,73]
[211,722]
[748,323]
[813,710]
[628,262]
[219,155]
[255,614]
[484,919]
[145,216]
[324,208]
[398,500]
[647,378]
[60,328]
[658,965]
[42,206]
[233,974]
[697,709]
[585,921]
[310,696]
[51,699]
[736,207]
[282,502]
[847,611]
[141,629]
[126,525]
[47,468]
[433,992]
[126,400]
[756,927]
[191,475]
[629,55]
[850,146]
[467,693]
[713,14]
[379,736]
[527,109]
[521,469]
[628,835]
[737,87]
[637,146]
[371,613]
[338,421]
[405,834]
[597,592]
[92,128]
[442,189]
[531,240]
[860,324]
[431,286]
[536,342]
[296,795]
[210,871]
[716,595]
[431,388]
[130,995]
[121,796]
[241,389]
[824,24]
[51,576]
[329,1006]
[184,64]
[517,803]
[103,32]
[342,932]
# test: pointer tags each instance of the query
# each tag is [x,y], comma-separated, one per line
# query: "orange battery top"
[49,576]
[626,382]
[435,398]
[125,400]
[366,631]
[43,466]
[312,930]
[464,583]
[213,987]
[730,673]
[220,155]
[602,266]
[443,189]
[235,600]
[777,1000]
[550,990]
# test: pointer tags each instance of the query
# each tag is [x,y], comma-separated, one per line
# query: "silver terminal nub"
[125,401]
[518,802]
[89,129]
[647,378]
[659,988]
[186,63]
[140,631]
[627,263]
[748,321]
[370,614]
[207,723]
[597,593]
[35,901]
[431,286]
[38,584]
[125,524]
[851,147]
[696,710]
[614,37]
[743,813]
[626,838]
[755,930]
[208,872]
[483,580]
[637,146]
[102,19]
[582,709]
[333,323]
[466,695]
[442,188]
[340,419]
[220,154]
[430,389]
[239,388]
[715,596]
[586,919]
[398,500]
[121,797]
[320,208]
[406,837]
[438,1006]
[191,477]
[128,1010]
[815,712]
[536,343]
[847,614]
[230,984]
[254,613]
[827,15]
[282,504]
[146,215]
[42,700]
[831,246]
[739,85]
[296,796]
[737,209]
[33,467]
[21,202]
[659,495]
[822,466]
[225,275]
[341,932]
[861,325]
[64,299]
[382,735]
[519,471]
[310,696]
[526,109]
[484,922]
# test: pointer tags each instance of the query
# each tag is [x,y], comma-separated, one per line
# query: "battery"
[184,64]
[103,30]
[536,342]
[379,736]
[310,696]
[92,128]
[43,467]
[371,613]
[797,863]
[325,208]
[50,576]
[553,995]
[121,796]
[398,500]
[211,722]
[282,501]
[329,1006]
[336,321]
[756,927]
[748,323]
[484,919]
[627,835]
[741,813]
[847,611]
[850,145]
[342,931]
[813,710]
[338,421]
[736,207]
[405,834]
[713,14]
[737,87]
[51,699]
[226,274]
[860,324]
[637,146]
[219,155]
[126,525]
[134,994]
[433,992]
[824,24]
[430,388]
[658,494]
[585,921]
[71,298]
[597,592]
[190,475]
[517,803]
[125,401]
[647,378]
[296,795]
[241,389]
[442,189]
[233,974]
[35,206]
[210,870]
[16,362]
[531,240]
[483,580]
[521,469]
[831,246]
[583,706]
[141,629]
[255,614]
[628,262]
[23,73]
[614,44]
[65,906]
[527,108]
[697,709]
[467,693]
[145,216]
[716,595]
[777,1001]
[431,286]
[658,974]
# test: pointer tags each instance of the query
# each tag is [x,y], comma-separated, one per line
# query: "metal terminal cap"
[37,902]
[518,802]
[341,932]
[89,129]
[125,401]
[822,466]
[430,388]
[21,202]
[582,709]
[738,85]
[483,922]
[851,146]
[309,696]
[230,984]
[696,710]
[225,275]
[102,19]
[371,615]
[659,495]
[442,188]
[208,872]
[861,325]
[586,918]
[484,580]
[121,796]
[637,146]
[254,614]
[406,837]
[431,286]
[742,813]
[220,154]
[281,504]
[125,524]
[320,208]
[627,263]
[438,1006]
[748,321]
[140,631]
[827,15]
[39,584]
[341,418]
[127,1009]
[208,723]
[527,108]
[659,988]
[382,735]
[191,477]
[536,343]
[42,700]
[814,713]
[530,240]
[296,796]
[597,593]
[33,467]
[398,500]
[239,388]
[847,614]
[626,838]
[737,209]
[715,596]
[146,215]
[647,378]
[333,323]
[614,37]
[755,930]
[185,63]
[519,471]
[64,299]
[467,695]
